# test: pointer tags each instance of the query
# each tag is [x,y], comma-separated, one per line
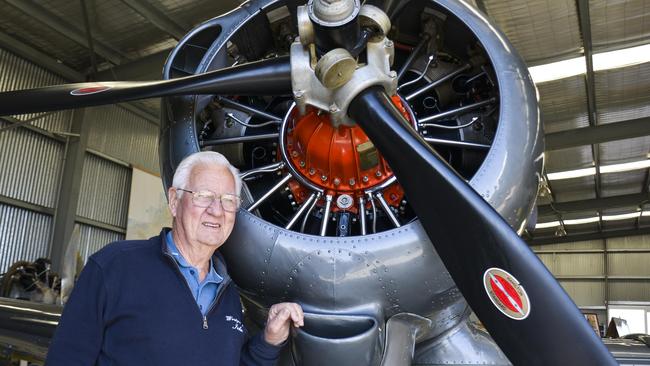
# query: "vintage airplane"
[391,152]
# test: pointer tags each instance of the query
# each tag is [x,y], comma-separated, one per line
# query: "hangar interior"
[61,169]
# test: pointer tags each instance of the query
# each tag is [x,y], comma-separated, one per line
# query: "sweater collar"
[218,263]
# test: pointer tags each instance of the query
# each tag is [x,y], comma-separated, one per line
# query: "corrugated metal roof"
[564,104]
[538,29]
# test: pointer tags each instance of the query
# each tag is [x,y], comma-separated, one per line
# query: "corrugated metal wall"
[599,271]
[105,187]
[120,133]
[32,160]
[24,235]
[30,164]
[93,239]
[20,74]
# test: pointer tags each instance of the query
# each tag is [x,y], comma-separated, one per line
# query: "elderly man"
[169,300]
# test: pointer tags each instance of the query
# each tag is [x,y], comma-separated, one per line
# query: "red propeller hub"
[339,160]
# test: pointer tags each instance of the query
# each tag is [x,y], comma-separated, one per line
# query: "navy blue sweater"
[132,306]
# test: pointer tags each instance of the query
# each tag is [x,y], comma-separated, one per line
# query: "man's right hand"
[281,317]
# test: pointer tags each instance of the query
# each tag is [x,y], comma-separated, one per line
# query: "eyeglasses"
[229,202]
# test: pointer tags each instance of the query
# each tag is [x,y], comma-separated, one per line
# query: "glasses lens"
[203,198]
[229,202]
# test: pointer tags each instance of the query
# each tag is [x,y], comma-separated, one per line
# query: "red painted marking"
[90,90]
[503,298]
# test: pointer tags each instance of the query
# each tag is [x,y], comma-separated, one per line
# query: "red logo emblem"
[90,90]
[506,293]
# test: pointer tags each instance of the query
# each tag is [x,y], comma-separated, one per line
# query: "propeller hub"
[337,160]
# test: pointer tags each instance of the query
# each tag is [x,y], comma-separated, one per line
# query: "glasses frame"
[216,197]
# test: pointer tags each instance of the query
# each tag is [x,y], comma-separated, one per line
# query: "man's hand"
[281,316]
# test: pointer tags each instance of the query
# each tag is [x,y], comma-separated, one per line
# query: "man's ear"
[173,200]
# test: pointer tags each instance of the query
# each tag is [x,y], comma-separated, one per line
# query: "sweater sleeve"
[257,352]
[79,335]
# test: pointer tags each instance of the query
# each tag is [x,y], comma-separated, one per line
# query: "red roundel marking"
[90,90]
[509,289]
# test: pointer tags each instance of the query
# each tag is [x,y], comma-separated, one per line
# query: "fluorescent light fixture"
[622,58]
[624,167]
[568,174]
[604,169]
[558,70]
[545,225]
[625,216]
[602,61]
[587,220]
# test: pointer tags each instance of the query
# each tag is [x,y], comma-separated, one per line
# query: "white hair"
[203,158]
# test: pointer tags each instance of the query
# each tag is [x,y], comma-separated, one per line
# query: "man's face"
[209,226]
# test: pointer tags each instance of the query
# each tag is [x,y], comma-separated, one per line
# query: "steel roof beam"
[596,204]
[157,18]
[588,236]
[585,29]
[598,134]
[44,16]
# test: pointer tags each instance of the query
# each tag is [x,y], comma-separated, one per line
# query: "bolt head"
[378,174]
[352,181]
[365,179]
[302,164]
[336,181]
[323,178]
[312,171]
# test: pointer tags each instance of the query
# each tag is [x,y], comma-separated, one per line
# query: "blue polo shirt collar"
[212,277]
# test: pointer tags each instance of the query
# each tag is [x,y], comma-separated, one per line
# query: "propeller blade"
[266,77]
[518,300]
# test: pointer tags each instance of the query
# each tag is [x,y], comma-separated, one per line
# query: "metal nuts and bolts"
[323,178]
[294,153]
[312,171]
[365,179]
[344,201]
[352,181]
[336,181]
[378,174]
[302,164]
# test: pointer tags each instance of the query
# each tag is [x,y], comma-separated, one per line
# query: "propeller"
[266,77]
[523,307]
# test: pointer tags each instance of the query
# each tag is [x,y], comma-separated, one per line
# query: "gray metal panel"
[618,184]
[93,239]
[568,159]
[587,244]
[22,26]
[121,134]
[563,104]
[616,23]
[629,242]
[574,189]
[585,292]
[30,164]
[623,151]
[539,29]
[24,235]
[21,74]
[629,291]
[105,188]
[622,94]
[629,264]
[574,264]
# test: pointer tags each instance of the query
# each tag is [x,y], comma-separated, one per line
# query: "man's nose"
[215,207]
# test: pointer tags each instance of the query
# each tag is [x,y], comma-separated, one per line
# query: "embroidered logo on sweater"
[237,324]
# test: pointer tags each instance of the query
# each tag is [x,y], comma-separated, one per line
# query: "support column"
[69,190]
